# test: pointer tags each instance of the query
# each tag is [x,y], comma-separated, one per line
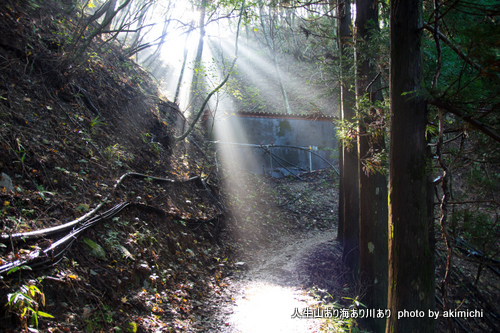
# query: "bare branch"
[125,30]
[455,48]
[474,122]
[473,202]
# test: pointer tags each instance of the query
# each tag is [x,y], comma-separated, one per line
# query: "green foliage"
[156,147]
[25,303]
[478,228]
[95,249]
[347,131]
[208,76]
[70,173]
[43,193]
[117,154]
[340,323]
[33,4]
[377,52]
[95,123]
[479,180]
[374,118]
[148,139]
[473,30]
[20,152]
[145,137]
[82,208]
[18,268]
[102,317]
[111,238]
[376,162]
[146,238]
[132,327]
[248,95]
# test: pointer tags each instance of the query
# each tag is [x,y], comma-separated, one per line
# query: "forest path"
[267,295]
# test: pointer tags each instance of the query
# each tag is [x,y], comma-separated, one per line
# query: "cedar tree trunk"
[411,268]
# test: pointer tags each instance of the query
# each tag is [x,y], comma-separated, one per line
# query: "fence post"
[310,159]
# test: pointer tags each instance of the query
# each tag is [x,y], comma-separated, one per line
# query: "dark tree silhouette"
[373,248]
[411,285]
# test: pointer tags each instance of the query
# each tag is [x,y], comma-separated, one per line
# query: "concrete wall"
[282,130]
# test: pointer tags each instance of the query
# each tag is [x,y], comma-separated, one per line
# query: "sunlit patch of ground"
[269,223]
[275,289]
[265,307]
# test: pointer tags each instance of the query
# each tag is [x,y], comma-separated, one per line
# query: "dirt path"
[266,296]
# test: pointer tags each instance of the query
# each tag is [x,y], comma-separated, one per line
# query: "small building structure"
[275,143]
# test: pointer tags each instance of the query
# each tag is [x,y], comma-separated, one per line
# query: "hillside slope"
[78,139]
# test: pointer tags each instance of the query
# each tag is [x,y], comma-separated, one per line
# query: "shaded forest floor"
[170,261]
[302,268]
[68,133]
[98,134]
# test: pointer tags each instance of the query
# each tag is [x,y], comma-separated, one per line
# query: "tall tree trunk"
[181,74]
[109,14]
[152,57]
[199,51]
[288,110]
[273,52]
[340,225]
[197,116]
[196,94]
[350,181]
[411,285]
[373,246]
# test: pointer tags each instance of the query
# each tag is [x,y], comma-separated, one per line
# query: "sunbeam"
[175,57]
[255,67]
[241,158]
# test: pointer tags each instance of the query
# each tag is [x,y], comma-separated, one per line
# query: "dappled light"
[274,298]
[243,166]
[256,70]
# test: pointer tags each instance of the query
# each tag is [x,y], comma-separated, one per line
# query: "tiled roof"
[314,116]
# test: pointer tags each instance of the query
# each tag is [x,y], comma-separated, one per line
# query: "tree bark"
[110,13]
[350,181]
[97,31]
[411,270]
[181,75]
[273,52]
[216,89]
[199,52]
[373,243]
[340,225]
[197,76]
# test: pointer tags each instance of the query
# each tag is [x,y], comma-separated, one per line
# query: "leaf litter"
[168,269]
